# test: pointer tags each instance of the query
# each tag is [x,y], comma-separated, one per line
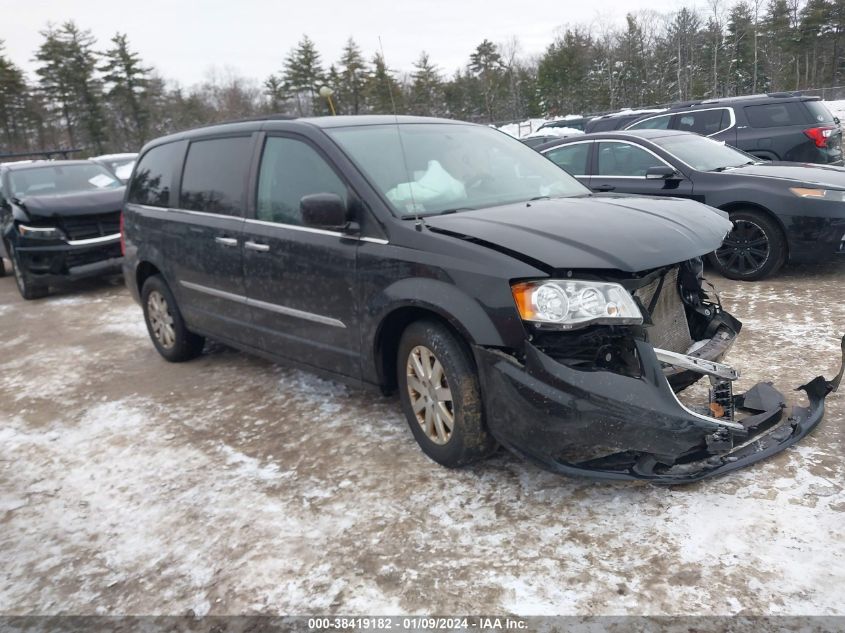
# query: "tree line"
[104,98]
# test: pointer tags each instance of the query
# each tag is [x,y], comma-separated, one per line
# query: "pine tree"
[303,76]
[486,65]
[69,83]
[125,80]
[426,88]
[382,90]
[14,105]
[352,79]
[274,91]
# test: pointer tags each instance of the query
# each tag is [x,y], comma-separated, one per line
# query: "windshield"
[52,180]
[434,168]
[704,154]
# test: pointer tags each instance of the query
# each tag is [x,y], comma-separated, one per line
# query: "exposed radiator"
[670,330]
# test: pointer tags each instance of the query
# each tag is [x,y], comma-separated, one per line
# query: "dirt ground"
[230,485]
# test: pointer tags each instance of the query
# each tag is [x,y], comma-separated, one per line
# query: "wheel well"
[750,206]
[389,333]
[144,271]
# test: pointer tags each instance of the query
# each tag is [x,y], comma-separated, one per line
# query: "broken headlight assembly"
[571,304]
[40,232]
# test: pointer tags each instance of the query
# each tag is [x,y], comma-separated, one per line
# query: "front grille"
[83,227]
[91,255]
[670,330]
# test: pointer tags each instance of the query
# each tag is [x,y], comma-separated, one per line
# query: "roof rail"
[784,95]
[46,153]
[260,117]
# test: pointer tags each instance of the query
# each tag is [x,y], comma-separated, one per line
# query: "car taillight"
[819,135]
[122,238]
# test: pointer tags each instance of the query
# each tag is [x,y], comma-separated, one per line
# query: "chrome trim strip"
[114,237]
[699,365]
[272,307]
[292,227]
[308,316]
[308,229]
[214,292]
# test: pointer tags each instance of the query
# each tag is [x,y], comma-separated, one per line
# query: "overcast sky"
[184,40]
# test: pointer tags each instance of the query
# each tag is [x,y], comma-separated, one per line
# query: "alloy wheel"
[431,397]
[746,249]
[161,321]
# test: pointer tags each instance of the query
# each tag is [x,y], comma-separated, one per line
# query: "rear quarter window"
[153,179]
[776,114]
[818,112]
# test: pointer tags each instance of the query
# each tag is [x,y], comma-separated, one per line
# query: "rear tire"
[28,289]
[754,249]
[165,324]
[441,396]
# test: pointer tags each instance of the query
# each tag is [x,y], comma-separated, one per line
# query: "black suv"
[777,127]
[505,302]
[59,220]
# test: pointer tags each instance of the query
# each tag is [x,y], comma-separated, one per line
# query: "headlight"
[40,232]
[569,304]
[819,194]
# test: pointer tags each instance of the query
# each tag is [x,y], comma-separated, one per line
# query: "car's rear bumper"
[60,262]
[606,425]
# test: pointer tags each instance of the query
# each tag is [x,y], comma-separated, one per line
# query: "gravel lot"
[230,485]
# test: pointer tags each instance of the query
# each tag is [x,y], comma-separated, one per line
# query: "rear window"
[154,177]
[215,175]
[654,123]
[572,158]
[776,114]
[704,122]
[819,112]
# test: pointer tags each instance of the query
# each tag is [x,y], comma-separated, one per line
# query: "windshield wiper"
[726,167]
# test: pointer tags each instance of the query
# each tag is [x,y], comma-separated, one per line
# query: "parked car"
[616,120]
[59,220]
[778,127]
[119,164]
[447,261]
[573,123]
[536,141]
[780,211]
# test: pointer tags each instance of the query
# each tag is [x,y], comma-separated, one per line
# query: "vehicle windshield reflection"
[704,154]
[434,168]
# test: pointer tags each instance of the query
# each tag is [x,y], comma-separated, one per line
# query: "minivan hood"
[627,233]
[81,203]
[802,173]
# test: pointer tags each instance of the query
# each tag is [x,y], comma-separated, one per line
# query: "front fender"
[464,312]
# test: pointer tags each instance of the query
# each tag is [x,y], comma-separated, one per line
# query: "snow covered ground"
[230,485]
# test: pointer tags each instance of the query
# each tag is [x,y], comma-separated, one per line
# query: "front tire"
[441,396]
[754,249]
[28,289]
[165,324]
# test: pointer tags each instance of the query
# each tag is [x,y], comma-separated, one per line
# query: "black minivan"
[506,303]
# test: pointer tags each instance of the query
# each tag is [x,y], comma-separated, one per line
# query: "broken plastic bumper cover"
[603,424]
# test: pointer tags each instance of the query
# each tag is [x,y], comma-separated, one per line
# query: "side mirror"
[660,172]
[323,210]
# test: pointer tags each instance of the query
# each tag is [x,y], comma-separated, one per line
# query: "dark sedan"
[780,211]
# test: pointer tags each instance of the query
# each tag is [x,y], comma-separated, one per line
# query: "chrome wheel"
[431,397]
[161,321]
[746,249]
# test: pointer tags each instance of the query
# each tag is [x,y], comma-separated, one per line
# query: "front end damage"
[602,401]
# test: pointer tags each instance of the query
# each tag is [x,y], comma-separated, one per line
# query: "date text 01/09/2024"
[417,623]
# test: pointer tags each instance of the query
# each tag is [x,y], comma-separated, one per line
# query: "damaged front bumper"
[607,425]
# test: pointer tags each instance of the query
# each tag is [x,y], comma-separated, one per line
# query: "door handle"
[255,246]
[605,188]
[226,241]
